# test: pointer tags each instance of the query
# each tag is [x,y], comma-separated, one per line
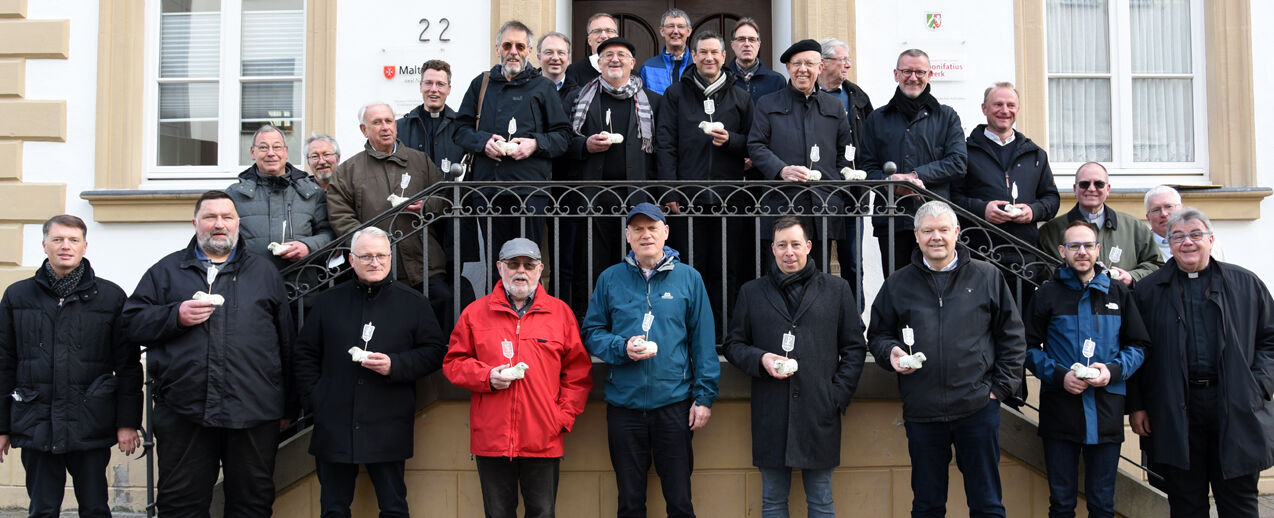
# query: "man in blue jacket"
[650,321]
[659,72]
[1081,318]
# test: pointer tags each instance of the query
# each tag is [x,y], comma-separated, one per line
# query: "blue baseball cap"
[649,210]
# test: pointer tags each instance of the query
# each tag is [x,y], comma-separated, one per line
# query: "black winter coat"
[638,165]
[685,152]
[785,125]
[970,333]
[535,102]
[931,144]
[986,180]
[1245,365]
[232,370]
[441,144]
[77,378]
[796,422]
[360,416]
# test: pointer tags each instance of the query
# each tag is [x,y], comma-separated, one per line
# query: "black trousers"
[502,477]
[635,436]
[1188,489]
[46,481]
[190,456]
[337,482]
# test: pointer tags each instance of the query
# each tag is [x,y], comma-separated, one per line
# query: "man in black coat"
[71,385]
[797,313]
[431,127]
[364,409]
[689,151]
[957,311]
[515,91]
[924,140]
[1201,402]
[218,333]
[600,27]
[787,127]
[613,104]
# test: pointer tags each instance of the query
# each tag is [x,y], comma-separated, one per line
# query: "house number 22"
[443,22]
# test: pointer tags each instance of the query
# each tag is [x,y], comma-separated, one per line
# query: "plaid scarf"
[748,71]
[645,116]
[64,286]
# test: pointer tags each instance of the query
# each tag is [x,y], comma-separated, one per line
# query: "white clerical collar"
[1098,218]
[955,259]
[996,138]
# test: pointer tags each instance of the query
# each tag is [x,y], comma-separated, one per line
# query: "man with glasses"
[1082,318]
[518,351]
[554,57]
[749,70]
[650,321]
[282,210]
[431,127]
[322,154]
[923,138]
[1161,203]
[364,410]
[523,127]
[600,27]
[666,68]
[1201,402]
[1128,247]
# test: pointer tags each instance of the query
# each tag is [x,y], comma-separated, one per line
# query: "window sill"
[142,206]
[1220,203]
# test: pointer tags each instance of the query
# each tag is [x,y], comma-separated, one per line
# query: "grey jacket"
[265,202]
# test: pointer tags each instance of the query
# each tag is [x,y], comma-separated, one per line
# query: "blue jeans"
[1101,462]
[977,446]
[776,484]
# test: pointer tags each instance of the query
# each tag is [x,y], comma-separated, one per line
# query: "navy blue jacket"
[762,83]
[441,144]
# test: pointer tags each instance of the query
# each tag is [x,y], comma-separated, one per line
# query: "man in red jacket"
[519,351]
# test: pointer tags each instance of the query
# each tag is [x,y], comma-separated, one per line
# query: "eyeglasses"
[844,60]
[432,84]
[1194,235]
[521,265]
[315,156]
[508,45]
[266,149]
[373,258]
[917,73]
[1076,246]
[607,56]
[604,30]
[678,26]
[1083,184]
[1164,209]
[747,39]
[806,64]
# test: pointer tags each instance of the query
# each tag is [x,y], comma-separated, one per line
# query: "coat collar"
[1077,214]
[300,181]
[45,280]
[398,156]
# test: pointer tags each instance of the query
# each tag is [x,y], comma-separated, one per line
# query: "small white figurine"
[278,248]
[396,200]
[507,147]
[614,138]
[708,127]
[785,366]
[1085,373]
[359,354]
[516,372]
[852,174]
[646,346]
[912,361]
[214,298]
[1011,210]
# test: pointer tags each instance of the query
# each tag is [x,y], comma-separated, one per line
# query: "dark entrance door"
[639,20]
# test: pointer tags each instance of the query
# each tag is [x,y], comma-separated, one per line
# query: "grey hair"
[314,137]
[915,53]
[673,13]
[933,209]
[829,46]
[539,44]
[362,110]
[514,24]
[270,127]
[1189,214]
[1160,189]
[369,231]
[1002,84]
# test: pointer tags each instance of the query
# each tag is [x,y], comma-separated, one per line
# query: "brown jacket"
[359,191]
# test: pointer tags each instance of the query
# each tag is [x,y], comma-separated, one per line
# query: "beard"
[217,245]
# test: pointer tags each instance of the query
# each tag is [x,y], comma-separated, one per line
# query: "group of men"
[230,368]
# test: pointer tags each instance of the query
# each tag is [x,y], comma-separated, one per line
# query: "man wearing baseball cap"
[649,319]
[518,351]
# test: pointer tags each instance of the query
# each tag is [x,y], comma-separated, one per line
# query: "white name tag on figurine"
[1116,253]
[789,342]
[506,348]
[647,321]
[212,275]
[446,166]
[814,157]
[908,336]
[406,180]
[368,330]
[850,151]
[709,107]
[1089,347]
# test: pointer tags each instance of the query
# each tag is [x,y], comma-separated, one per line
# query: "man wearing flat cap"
[518,351]
[800,134]
[612,138]
[650,321]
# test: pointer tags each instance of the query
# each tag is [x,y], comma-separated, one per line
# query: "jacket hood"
[665,264]
[977,138]
[527,74]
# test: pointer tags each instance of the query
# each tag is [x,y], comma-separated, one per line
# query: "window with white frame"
[218,70]
[1126,85]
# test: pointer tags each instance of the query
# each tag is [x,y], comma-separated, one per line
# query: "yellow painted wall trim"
[35,38]
[1231,120]
[13,77]
[33,120]
[13,8]
[142,206]
[12,274]
[320,72]
[539,15]
[121,55]
[818,19]
[1228,205]
[11,160]
[11,244]
[1028,17]
[31,202]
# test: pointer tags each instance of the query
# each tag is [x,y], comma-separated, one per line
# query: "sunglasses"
[508,45]
[1083,184]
